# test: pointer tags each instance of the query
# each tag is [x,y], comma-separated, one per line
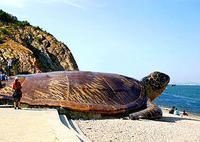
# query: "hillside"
[31,49]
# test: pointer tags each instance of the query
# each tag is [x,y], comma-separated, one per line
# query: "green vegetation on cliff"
[32,49]
[8,18]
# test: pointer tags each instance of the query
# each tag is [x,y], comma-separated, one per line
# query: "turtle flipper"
[151,112]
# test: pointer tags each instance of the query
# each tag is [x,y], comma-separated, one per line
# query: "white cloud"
[81,4]
[13,3]
[22,3]
[74,4]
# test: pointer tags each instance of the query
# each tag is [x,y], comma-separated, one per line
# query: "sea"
[183,97]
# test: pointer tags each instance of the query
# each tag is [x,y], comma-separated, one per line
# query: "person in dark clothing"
[1,76]
[17,93]
[172,110]
[185,113]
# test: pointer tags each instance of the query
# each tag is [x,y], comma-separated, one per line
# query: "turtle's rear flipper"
[151,112]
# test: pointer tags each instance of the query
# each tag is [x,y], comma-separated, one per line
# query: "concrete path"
[35,125]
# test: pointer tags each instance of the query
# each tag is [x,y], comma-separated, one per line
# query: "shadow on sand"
[174,119]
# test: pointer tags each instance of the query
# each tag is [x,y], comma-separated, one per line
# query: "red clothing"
[17,85]
[184,113]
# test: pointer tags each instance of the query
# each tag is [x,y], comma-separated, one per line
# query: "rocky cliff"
[31,49]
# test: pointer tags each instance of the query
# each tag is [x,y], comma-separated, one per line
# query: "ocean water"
[183,97]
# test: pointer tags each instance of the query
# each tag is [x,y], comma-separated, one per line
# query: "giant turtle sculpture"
[102,93]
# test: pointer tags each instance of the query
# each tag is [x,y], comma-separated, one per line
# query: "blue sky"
[129,37]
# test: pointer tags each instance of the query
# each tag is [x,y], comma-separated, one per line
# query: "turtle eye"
[151,81]
[155,76]
[162,78]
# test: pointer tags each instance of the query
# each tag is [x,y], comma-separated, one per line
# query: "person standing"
[17,93]
[9,66]
[1,78]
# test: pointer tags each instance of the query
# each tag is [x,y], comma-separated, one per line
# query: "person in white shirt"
[9,66]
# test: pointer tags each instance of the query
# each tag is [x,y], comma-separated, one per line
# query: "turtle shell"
[83,91]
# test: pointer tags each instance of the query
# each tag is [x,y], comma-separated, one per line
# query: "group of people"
[16,84]
[8,67]
[17,94]
[4,74]
[175,111]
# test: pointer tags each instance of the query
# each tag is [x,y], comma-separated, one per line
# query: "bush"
[4,31]
[37,28]
[15,70]
[2,40]
[23,23]
[8,18]
[5,17]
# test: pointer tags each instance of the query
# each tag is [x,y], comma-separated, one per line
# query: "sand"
[34,125]
[39,125]
[170,128]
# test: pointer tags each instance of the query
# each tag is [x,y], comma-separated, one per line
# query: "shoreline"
[166,110]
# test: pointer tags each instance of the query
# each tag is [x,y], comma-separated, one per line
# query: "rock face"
[31,49]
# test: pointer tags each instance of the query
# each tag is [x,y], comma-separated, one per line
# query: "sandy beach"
[44,125]
[170,128]
[34,125]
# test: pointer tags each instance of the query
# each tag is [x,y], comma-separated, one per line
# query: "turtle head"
[155,84]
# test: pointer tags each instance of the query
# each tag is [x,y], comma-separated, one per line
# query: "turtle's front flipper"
[151,112]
